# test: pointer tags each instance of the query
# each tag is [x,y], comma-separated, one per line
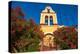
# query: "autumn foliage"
[25,34]
[66,38]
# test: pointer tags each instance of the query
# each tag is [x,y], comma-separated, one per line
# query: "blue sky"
[66,14]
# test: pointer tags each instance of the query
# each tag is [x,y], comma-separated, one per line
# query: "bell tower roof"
[48,9]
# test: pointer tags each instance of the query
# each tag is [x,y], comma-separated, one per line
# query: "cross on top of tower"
[48,10]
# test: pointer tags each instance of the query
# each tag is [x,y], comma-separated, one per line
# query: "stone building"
[48,23]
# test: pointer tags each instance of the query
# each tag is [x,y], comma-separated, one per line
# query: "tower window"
[46,20]
[51,20]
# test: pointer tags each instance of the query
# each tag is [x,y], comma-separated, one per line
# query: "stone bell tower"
[48,17]
[48,23]
[48,20]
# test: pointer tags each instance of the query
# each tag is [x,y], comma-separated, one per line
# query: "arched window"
[51,20]
[46,20]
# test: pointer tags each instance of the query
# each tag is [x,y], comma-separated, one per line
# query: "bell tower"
[49,24]
[48,17]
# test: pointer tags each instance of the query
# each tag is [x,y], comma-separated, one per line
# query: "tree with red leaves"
[66,38]
[25,34]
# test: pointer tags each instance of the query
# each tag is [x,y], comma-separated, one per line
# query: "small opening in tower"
[46,20]
[46,16]
[51,20]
